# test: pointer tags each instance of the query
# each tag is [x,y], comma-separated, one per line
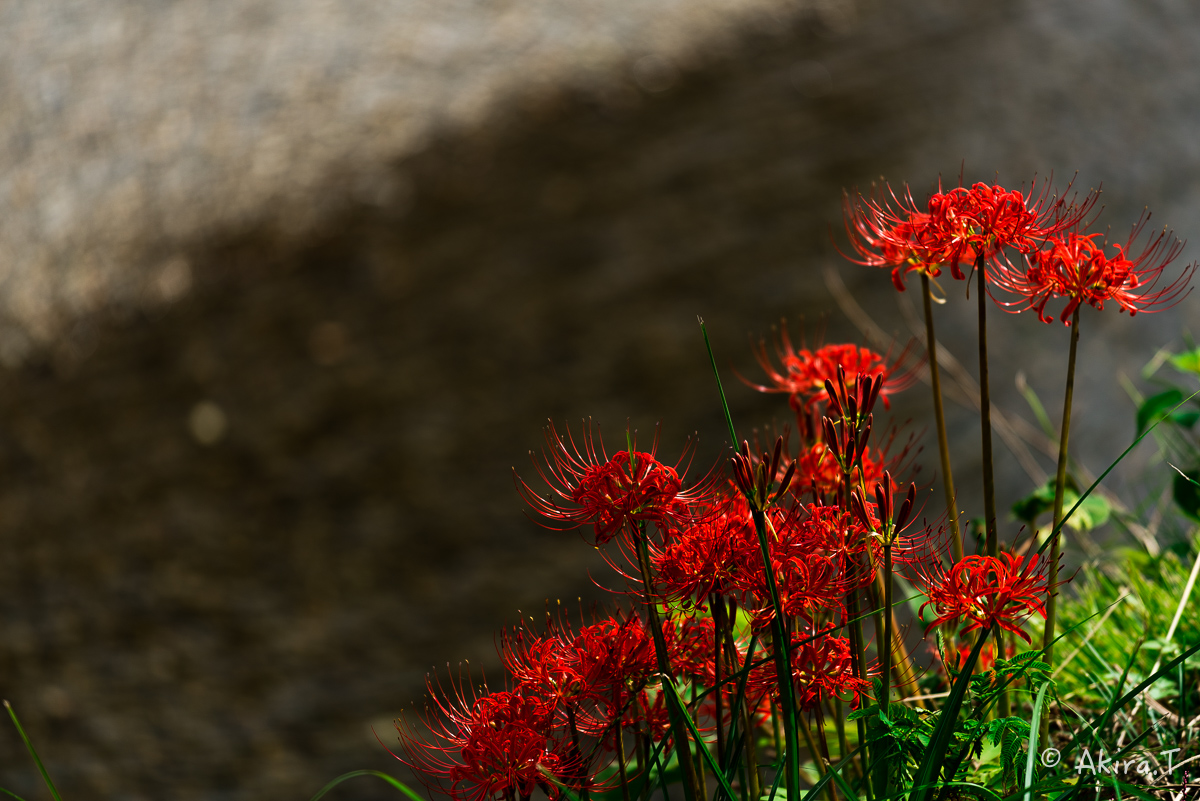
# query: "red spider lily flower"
[548,666]
[611,493]
[690,647]
[821,670]
[1076,268]
[619,653]
[813,559]
[893,234]
[836,532]
[983,591]
[497,746]
[701,559]
[958,226]
[804,373]
[590,675]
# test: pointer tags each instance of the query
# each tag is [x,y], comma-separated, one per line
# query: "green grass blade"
[734,755]
[399,785]
[32,752]
[733,440]
[1083,495]
[396,783]
[1035,405]
[708,757]
[816,789]
[1034,724]
[11,794]
[976,791]
[939,743]
[1136,691]
[842,784]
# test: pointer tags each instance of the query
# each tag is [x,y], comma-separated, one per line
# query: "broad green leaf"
[1157,407]
[1092,513]
[1036,503]
[1185,419]
[1186,491]
[1188,361]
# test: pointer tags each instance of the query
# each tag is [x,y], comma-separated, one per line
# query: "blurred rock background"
[286,289]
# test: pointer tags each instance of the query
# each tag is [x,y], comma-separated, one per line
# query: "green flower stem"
[1060,485]
[903,673]
[783,664]
[1005,706]
[859,668]
[885,657]
[816,755]
[675,710]
[939,414]
[742,710]
[620,743]
[839,723]
[857,662]
[716,605]
[577,754]
[749,738]
[985,415]
[925,782]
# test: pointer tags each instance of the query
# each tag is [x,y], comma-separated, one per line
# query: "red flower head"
[612,494]
[501,744]
[1002,590]
[1074,267]
[804,372]
[701,558]
[590,675]
[821,670]
[959,226]
[690,647]
[815,557]
[818,469]
[893,234]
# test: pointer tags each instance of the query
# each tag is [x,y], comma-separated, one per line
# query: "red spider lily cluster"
[1055,258]
[795,544]
[701,605]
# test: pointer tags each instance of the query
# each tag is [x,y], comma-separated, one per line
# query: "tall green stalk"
[783,659]
[783,664]
[985,415]
[675,710]
[885,656]
[939,414]
[857,659]
[1060,486]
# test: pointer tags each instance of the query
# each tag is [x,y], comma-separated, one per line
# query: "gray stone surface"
[130,129]
[260,416]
